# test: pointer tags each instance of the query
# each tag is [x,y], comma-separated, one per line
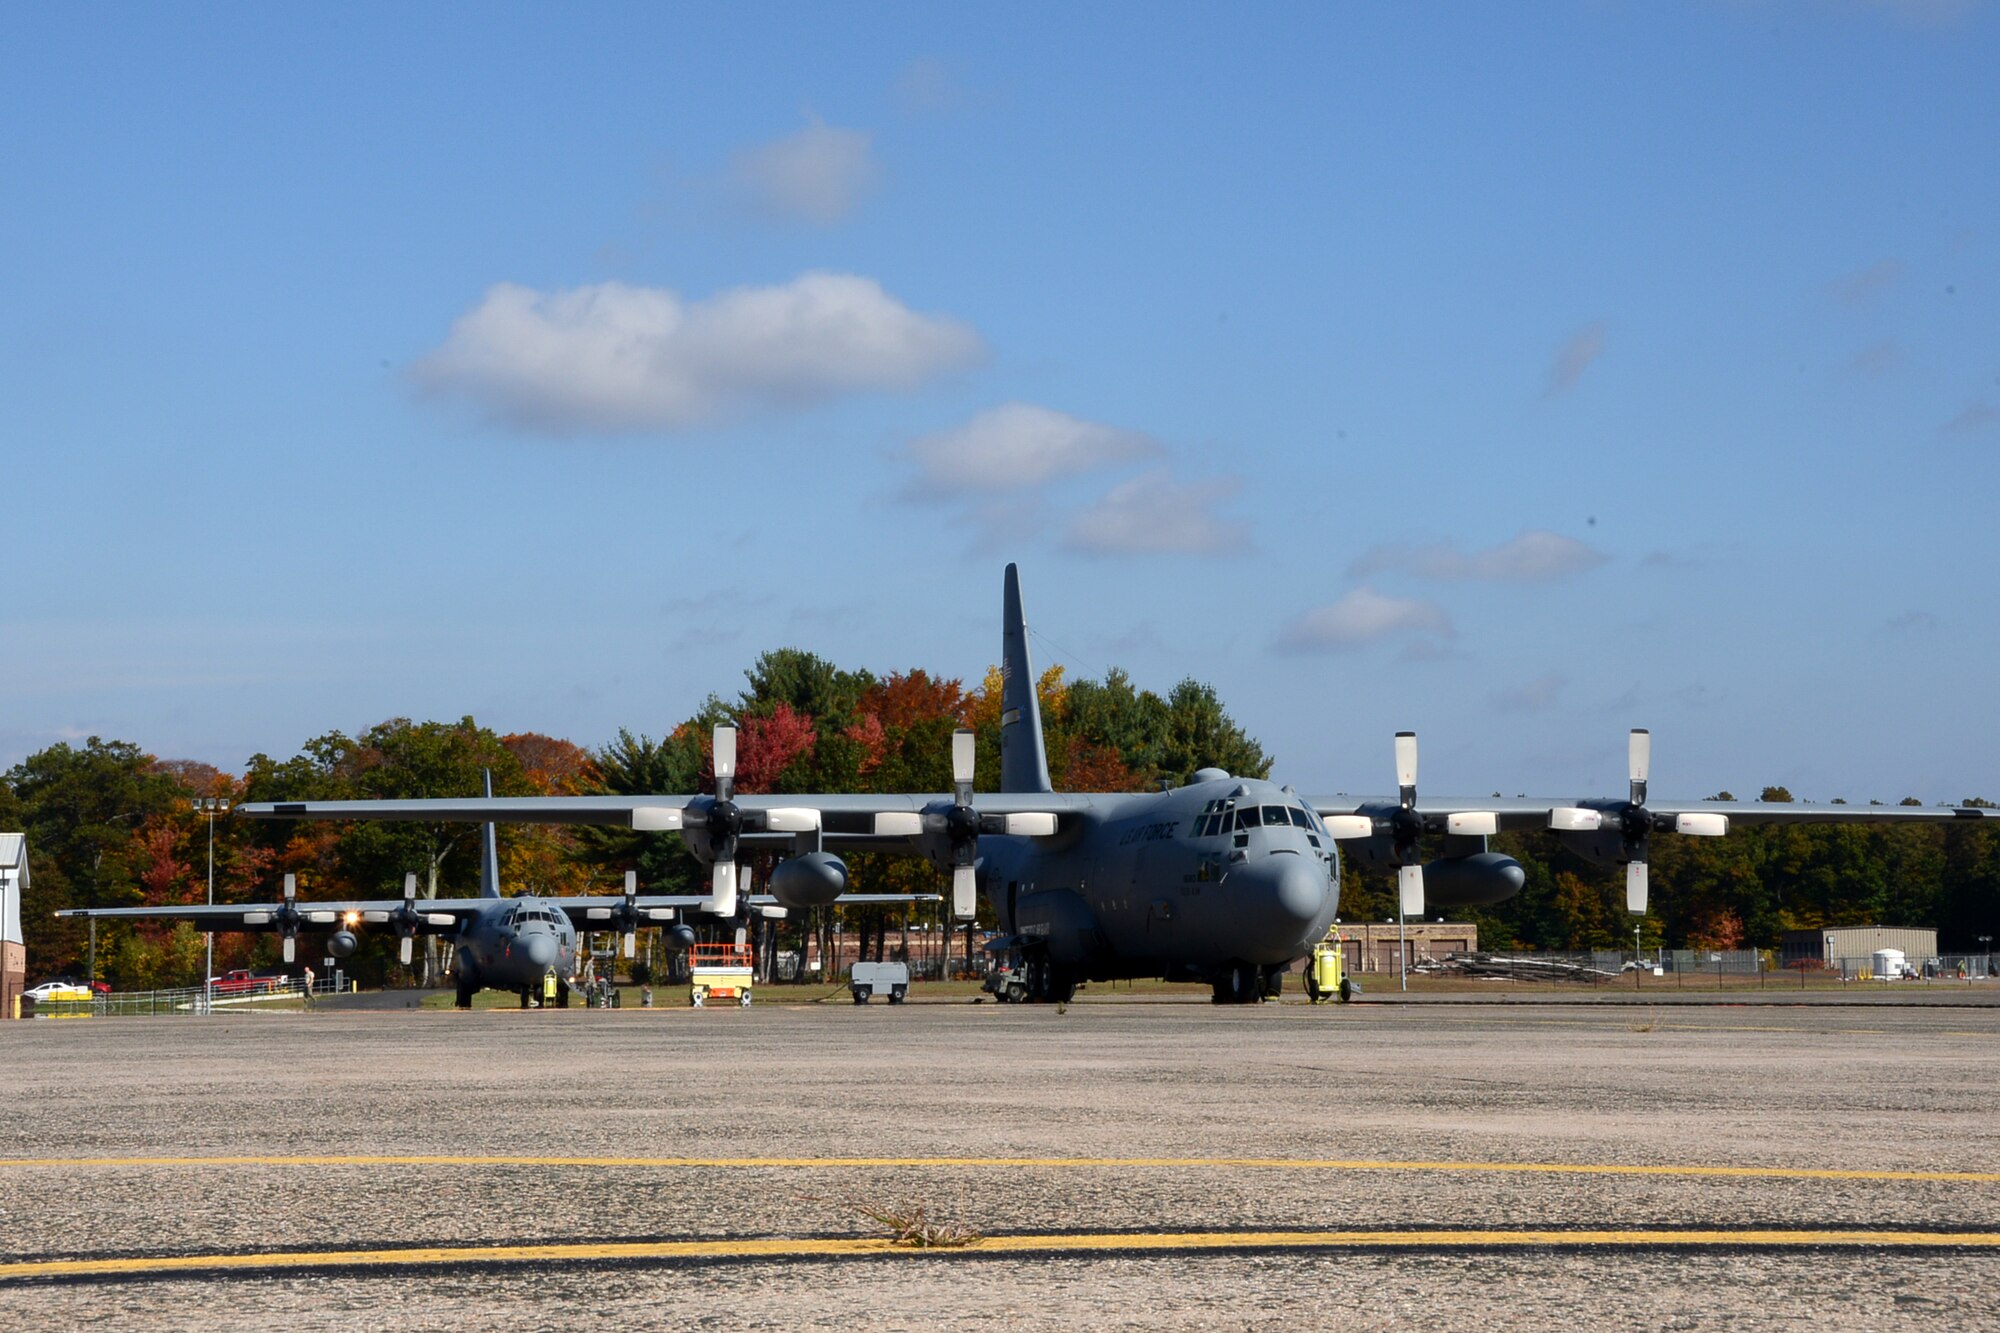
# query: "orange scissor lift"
[719,972]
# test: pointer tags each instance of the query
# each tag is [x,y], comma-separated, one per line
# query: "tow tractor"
[1325,977]
[720,972]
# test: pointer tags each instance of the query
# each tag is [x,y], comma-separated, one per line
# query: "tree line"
[110,825]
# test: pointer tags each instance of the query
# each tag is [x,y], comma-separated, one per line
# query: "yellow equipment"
[719,971]
[1325,977]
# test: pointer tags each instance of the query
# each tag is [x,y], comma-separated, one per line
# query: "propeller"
[961,825]
[1405,827]
[629,913]
[1635,821]
[288,918]
[724,823]
[406,920]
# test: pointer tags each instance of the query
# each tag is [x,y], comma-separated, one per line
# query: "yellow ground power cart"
[719,972]
[1325,975]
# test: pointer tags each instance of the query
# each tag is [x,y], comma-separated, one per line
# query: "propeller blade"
[409,887]
[1406,765]
[964,749]
[631,883]
[1410,890]
[402,952]
[1038,824]
[1701,825]
[291,889]
[964,892]
[1635,887]
[291,945]
[725,760]
[631,943]
[1639,761]
[723,899]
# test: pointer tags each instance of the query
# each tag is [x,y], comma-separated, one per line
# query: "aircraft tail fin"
[1024,763]
[489,851]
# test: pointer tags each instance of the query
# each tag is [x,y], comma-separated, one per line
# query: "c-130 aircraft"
[498,943]
[1224,880]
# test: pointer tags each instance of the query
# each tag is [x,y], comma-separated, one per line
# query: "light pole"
[211,806]
[1986,947]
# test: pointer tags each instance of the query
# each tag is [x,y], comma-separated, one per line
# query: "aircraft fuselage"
[1220,874]
[511,944]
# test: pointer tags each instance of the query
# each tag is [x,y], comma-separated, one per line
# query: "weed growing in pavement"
[909,1225]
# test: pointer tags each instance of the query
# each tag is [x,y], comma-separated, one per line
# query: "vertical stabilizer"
[1024,764]
[489,851]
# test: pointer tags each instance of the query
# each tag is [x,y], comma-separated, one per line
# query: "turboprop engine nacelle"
[341,944]
[1472,881]
[812,880]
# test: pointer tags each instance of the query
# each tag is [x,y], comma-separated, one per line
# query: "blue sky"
[1518,374]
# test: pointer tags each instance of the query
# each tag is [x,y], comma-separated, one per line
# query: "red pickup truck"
[243,982]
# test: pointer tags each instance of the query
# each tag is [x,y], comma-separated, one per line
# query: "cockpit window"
[1299,817]
[1275,815]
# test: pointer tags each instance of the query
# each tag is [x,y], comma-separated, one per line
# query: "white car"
[51,991]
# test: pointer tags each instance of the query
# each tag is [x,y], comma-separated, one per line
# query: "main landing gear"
[1247,983]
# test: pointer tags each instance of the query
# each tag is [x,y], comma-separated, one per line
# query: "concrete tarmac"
[1366,1166]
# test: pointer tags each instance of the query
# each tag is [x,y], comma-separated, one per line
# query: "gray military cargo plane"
[508,944]
[1226,880]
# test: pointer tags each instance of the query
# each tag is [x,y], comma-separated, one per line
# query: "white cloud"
[817,175]
[1575,357]
[1535,556]
[1018,446]
[617,358]
[1153,514]
[1362,617]
[1535,696]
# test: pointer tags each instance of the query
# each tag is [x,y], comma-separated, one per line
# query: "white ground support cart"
[891,979]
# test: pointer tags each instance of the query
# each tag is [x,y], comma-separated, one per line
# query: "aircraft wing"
[1526,813]
[842,815]
[434,916]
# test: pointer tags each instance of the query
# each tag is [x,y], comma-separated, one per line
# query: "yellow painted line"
[1097,1243]
[1030,1163]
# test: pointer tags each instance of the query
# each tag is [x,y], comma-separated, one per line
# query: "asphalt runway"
[1123,1165]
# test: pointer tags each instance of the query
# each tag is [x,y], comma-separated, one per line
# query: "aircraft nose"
[1280,901]
[541,949]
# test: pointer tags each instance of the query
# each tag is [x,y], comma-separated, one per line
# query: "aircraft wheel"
[464,997]
[526,1000]
[1062,986]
